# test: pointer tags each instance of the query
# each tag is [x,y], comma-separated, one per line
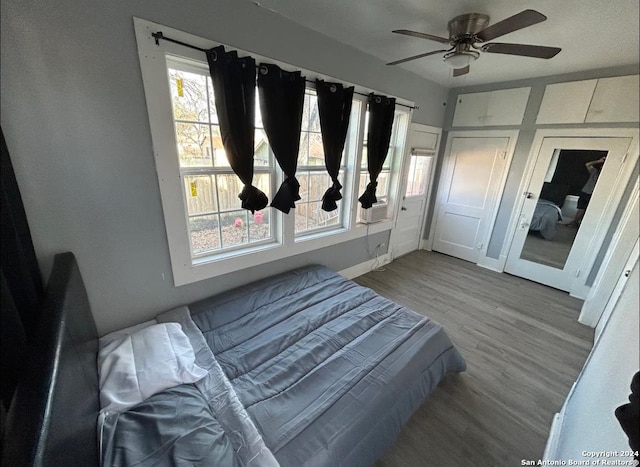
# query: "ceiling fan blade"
[421,35]
[537,51]
[415,57]
[460,71]
[518,21]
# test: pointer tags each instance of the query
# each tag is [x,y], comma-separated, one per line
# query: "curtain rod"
[159,36]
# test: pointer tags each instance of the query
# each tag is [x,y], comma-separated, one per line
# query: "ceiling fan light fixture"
[460,58]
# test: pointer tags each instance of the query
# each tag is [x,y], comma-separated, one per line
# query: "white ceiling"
[592,33]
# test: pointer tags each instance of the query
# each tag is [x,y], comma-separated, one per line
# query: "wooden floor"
[524,349]
[552,252]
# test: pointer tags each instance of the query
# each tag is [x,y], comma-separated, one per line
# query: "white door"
[473,176]
[555,260]
[416,185]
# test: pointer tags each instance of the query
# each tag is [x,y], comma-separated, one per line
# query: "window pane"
[303,179]
[213,114]
[303,154]
[205,234]
[189,96]
[318,184]
[260,225]
[418,173]
[200,194]
[305,113]
[194,144]
[383,184]
[390,154]
[263,182]
[261,152]
[313,215]
[314,116]
[235,230]
[258,121]
[310,217]
[219,155]
[363,161]
[362,185]
[302,210]
[316,150]
[229,187]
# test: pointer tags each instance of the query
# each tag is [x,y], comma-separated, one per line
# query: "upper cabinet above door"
[603,100]
[494,108]
[615,100]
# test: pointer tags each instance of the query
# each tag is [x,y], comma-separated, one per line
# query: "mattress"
[327,370]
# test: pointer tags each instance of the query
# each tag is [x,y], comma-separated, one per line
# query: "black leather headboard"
[53,415]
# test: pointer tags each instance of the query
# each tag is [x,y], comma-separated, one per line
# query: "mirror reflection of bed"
[555,222]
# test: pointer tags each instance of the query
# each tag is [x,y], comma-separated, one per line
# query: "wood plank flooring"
[524,349]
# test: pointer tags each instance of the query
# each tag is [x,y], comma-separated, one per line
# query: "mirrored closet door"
[568,200]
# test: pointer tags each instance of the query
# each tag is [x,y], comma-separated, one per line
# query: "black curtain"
[21,283]
[381,112]
[281,103]
[234,82]
[628,415]
[334,109]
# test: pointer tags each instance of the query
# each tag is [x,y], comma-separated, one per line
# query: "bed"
[304,368]
[548,210]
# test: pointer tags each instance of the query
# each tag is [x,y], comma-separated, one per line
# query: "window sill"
[225,263]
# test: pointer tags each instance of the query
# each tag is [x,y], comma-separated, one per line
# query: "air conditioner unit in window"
[376,213]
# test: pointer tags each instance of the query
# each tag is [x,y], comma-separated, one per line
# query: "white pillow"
[134,366]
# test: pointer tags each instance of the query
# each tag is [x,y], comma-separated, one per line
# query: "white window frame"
[214,171]
[153,63]
[350,155]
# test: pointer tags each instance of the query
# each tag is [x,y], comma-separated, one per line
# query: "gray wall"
[525,138]
[75,121]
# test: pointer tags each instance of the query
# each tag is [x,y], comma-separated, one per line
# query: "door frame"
[405,176]
[579,288]
[483,259]
[613,263]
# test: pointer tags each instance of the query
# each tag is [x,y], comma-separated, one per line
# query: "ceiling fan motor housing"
[464,28]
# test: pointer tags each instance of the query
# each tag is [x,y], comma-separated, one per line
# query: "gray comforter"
[307,366]
[328,370]
[545,218]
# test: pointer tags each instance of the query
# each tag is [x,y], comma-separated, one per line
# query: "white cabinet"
[591,101]
[615,100]
[566,102]
[493,108]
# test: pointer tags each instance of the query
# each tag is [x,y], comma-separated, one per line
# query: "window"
[396,146]
[208,233]
[419,173]
[312,174]
[215,220]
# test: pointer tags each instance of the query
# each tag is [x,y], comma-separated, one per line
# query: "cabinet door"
[615,100]
[471,109]
[507,106]
[566,102]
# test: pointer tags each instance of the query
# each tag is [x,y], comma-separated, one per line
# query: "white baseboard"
[551,448]
[363,268]
[425,244]
[490,263]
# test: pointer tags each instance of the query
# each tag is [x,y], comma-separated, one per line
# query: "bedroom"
[86,166]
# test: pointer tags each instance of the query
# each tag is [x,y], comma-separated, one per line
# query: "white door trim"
[623,279]
[536,145]
[405,169]
[483,260]
[617,256]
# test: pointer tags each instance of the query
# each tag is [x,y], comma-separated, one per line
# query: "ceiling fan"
[465,31]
